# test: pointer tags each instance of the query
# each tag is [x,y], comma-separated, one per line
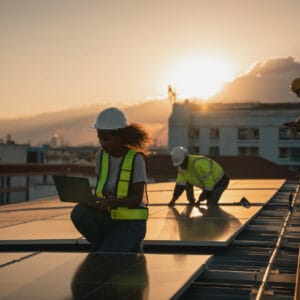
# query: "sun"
[200,77]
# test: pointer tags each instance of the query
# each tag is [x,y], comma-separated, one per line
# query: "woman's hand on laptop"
[96,203]
[104,203]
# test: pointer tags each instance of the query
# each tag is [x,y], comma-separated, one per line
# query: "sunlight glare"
[200,77]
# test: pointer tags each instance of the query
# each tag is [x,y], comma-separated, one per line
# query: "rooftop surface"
[189,252]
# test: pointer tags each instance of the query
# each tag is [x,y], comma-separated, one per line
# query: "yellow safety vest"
[122,187]
[201,171]
[125,173]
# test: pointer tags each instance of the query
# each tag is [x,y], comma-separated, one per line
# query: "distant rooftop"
[160,167]
[242,106]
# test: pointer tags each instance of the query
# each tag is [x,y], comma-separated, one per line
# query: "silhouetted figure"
[116,222]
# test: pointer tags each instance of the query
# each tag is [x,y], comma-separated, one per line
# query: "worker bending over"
[200,171]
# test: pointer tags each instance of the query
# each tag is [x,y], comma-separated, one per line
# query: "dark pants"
[189,189]
[105,234]
[215,195]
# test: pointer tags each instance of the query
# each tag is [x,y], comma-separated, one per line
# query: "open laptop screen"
[73,189]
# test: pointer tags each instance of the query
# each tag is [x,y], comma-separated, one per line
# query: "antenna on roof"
[171,94]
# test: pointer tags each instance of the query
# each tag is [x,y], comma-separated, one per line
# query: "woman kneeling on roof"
[116,222]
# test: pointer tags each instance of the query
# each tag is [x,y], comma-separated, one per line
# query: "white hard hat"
[178,155]
[110,119]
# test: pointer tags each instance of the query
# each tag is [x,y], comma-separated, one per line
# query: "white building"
[12,154]
[14,188]
[237,129]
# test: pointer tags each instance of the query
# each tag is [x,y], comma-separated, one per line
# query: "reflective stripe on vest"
[124,213]
[103,173]
[124,174]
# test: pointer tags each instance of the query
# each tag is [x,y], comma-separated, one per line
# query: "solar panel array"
[60,275]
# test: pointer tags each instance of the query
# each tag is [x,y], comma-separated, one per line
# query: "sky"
[64,54]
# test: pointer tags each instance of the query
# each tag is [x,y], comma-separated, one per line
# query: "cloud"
[266,81]
[278,65]
[72,127]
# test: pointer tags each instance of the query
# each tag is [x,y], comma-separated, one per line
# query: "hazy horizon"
[266,81]
[73,127]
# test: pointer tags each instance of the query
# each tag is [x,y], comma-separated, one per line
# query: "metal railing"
[263,285]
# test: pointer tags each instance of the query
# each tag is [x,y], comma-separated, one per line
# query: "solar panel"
[48,221]
[42,231]
[12,257]
[257,183]
[257,191]
[191,226]
[100,276]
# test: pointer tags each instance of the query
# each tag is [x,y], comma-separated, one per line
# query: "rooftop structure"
[246,129]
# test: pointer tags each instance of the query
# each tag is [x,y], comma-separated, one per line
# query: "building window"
[283,133]
[287,134]
[214,133]
[214,151]
[194,150]
[248,133]
[248,151]
[243,151]
[32,157]
[194,133]
[294,135]
[295,154]
[284,152]
[253,151]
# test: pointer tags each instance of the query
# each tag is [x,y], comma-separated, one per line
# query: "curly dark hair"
[134,136]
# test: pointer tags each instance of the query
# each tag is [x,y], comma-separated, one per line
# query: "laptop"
[73,189]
